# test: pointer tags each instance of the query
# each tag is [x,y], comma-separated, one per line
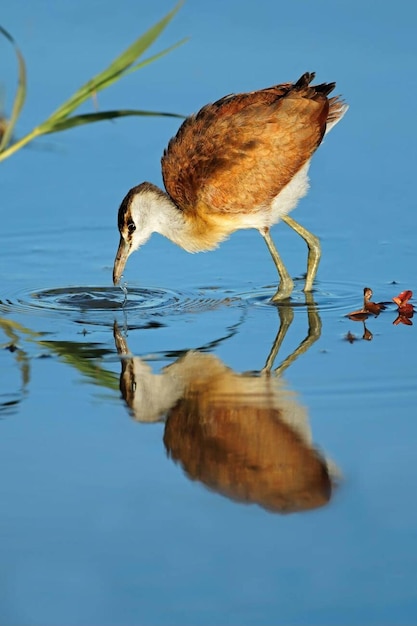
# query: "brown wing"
[236,154]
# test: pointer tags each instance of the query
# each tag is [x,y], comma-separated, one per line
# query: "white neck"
[167,219]
[153,211]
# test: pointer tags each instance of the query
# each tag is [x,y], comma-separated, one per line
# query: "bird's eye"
[131,227]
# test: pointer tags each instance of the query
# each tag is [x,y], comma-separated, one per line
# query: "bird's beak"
[120,260]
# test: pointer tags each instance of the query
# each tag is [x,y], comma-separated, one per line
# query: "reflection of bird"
[245,436]
[241,162]
[147,395]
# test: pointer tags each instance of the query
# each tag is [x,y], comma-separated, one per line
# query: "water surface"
[198,455]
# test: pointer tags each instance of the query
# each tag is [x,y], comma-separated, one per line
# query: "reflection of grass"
[63,118]
[83,357]
[12,329]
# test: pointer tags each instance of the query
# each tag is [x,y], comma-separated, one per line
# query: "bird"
[240,162]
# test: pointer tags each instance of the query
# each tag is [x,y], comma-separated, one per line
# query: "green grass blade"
[116,69]
[137,66]
[88,118]
[155,57]
[20,93]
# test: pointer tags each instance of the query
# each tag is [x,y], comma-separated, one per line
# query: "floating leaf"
[403,298]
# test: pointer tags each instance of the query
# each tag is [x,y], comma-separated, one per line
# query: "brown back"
[236,154]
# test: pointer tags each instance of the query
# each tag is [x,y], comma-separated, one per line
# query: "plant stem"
[36,132]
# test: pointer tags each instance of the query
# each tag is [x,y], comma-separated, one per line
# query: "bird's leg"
[314,250]
[286,284]
[314,332]
[286,316]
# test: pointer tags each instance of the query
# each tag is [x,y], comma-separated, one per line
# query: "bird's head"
[135,222]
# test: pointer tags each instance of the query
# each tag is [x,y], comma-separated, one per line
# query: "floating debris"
[405,308]
[369,308]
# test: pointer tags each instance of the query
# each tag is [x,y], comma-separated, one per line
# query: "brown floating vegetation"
[369,308]
[405,312]
[405,308]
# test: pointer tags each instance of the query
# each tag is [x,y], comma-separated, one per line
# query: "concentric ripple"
[95,304]
[100,305]
[102,298]
[326,297]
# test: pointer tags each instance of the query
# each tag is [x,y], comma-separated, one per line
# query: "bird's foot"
[283,292]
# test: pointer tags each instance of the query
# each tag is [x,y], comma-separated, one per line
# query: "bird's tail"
[337,107]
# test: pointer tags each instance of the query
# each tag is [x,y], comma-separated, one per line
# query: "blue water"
[131,509]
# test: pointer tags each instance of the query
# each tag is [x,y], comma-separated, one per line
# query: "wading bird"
[240,162]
